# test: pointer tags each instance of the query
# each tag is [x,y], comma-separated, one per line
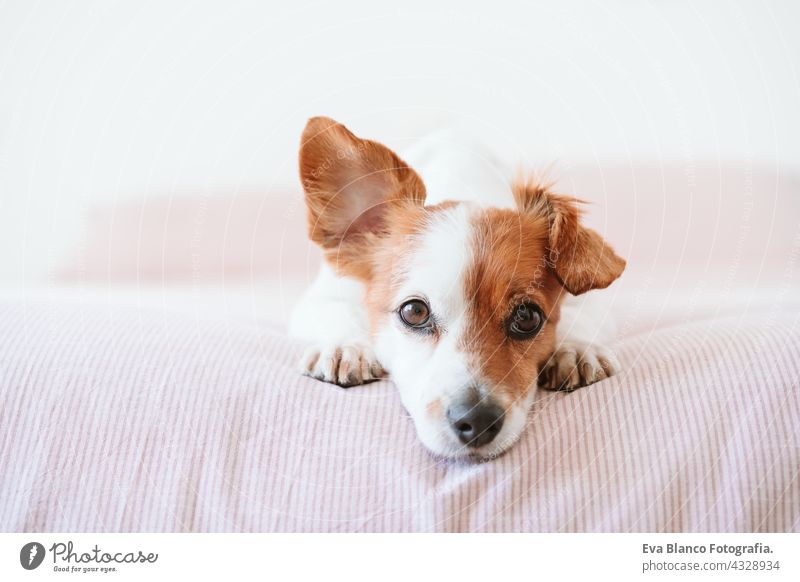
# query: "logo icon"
[31,555]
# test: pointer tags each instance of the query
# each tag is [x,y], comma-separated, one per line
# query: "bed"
[132,400]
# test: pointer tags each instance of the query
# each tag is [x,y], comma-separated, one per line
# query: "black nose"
[475,424]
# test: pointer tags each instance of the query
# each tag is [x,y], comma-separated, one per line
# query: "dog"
[458,283]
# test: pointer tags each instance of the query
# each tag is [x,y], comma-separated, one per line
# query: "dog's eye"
[525,322]
[415,313]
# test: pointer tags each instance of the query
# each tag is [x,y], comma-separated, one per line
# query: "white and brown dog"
[460,286]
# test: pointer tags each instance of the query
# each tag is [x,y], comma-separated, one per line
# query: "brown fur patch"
[580,258]
[435,409]
[350,185]
[509,268]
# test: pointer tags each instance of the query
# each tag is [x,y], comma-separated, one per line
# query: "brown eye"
[415,313]
[525,322]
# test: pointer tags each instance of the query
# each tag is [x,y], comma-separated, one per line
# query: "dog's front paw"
[575,365]
[345,365]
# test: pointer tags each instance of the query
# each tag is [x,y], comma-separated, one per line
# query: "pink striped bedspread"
[130,420]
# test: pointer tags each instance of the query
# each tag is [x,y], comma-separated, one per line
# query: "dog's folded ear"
[350,183]
[579,257]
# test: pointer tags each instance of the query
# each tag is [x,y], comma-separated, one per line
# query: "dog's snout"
[475,424]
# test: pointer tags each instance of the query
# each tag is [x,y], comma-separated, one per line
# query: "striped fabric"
[119,420]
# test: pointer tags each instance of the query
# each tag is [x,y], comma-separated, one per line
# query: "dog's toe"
[345,365]
[573,366]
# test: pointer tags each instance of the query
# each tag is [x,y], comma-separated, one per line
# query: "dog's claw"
[573,366]
[345,365]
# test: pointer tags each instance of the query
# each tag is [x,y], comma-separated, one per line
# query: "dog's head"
[463,301]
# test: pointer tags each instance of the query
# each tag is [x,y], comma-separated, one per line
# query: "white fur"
[423,371]
[331,316]
[455,165]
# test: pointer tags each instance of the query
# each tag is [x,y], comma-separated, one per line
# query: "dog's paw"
[344,365]
[575,365]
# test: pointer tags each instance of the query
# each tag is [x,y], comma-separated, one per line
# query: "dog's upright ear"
[350,185]
[579,257]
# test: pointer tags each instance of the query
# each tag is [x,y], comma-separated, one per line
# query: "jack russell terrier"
[460,286]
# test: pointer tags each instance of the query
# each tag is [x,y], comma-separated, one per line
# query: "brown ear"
[350,183]
[579,257]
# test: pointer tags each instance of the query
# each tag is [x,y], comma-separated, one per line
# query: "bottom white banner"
[374,557]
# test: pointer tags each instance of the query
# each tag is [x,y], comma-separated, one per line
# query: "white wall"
[103,100]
